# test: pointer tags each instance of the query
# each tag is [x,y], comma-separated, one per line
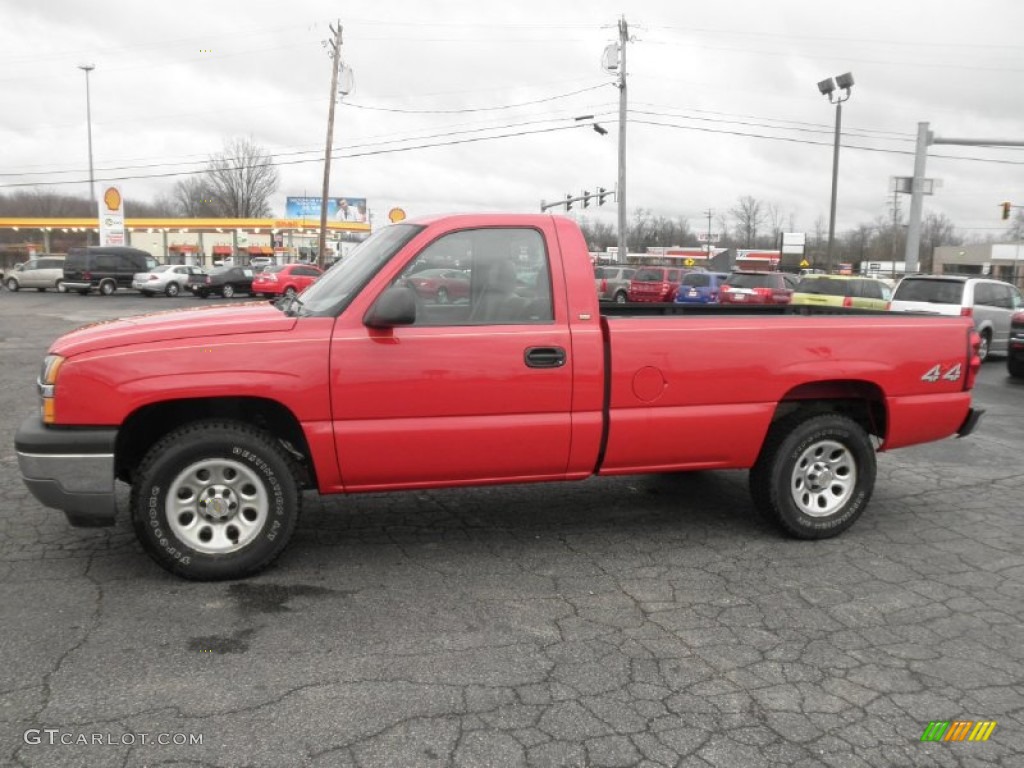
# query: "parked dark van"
[105,268]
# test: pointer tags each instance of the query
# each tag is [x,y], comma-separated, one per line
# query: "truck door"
[478,389]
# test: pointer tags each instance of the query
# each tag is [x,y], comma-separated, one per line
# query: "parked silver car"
[42,272]
[991,303]
[612,283]
[169,279]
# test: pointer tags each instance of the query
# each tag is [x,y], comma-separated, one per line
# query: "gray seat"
[498,301]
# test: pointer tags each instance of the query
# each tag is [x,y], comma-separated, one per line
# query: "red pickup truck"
[219,417]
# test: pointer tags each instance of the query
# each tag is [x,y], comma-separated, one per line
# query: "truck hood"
[202,322]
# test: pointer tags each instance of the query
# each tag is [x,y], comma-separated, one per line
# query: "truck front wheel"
[815,475]
[215,500]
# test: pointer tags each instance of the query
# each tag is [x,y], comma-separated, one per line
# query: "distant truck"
[218,418]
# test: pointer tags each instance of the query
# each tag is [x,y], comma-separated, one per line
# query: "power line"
[384,142]
[343,155]
[822,143]
[476,109]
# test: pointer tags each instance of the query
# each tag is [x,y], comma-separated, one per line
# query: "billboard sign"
[338,208]
[111,213]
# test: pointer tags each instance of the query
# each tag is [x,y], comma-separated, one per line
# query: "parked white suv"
[42,272]
[991,303]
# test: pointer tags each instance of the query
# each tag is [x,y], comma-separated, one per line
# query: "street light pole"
[828,88]
[87,68]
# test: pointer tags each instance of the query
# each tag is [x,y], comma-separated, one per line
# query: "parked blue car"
[700,287]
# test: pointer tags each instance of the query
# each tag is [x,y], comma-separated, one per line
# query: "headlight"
[46,384]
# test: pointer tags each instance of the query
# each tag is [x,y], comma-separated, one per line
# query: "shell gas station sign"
[111,217]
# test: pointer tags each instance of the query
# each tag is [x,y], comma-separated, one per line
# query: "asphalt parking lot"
[644,621]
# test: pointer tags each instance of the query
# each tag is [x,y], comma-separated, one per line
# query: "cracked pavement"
[642,621]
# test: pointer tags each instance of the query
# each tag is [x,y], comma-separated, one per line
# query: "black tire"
[108,287]
[147,294]
[621,297]
[247,518]
[227,291]
[172,290]
[787,487]
[12,285]
[985,346]
[442,295]
[83,291]
[202,294]
[1015,366]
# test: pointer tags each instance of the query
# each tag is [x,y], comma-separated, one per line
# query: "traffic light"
[602,193]
[586,198]
[1006,210]
[568,202]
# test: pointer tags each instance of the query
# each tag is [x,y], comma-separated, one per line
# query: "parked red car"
[655,284]
[441,285]
[757,288]
[284,279]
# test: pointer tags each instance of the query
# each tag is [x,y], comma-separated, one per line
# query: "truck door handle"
[544,357]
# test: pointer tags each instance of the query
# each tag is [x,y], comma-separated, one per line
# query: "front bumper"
[70,469]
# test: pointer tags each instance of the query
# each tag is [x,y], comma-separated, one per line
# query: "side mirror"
[396,306]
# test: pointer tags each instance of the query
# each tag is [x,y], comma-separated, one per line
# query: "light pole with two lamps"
[829,87]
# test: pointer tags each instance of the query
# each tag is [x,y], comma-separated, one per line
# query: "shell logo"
[112,199]
[396,215]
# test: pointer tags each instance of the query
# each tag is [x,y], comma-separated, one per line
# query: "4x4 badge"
[935,373]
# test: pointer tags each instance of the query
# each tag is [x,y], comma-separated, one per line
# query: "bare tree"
[192,197]
[936,229]
[776,221]
[240,180]
[599,234]
[44,204]
[749,215]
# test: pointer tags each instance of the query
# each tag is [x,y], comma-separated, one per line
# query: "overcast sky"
[731,85]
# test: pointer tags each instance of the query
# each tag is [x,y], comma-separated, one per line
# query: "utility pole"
[334,52]
[621,196]
[87,68]
[896,218]
[709,212]
[926,138]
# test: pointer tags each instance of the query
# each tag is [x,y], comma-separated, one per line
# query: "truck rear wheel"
[215,500]
[815,475]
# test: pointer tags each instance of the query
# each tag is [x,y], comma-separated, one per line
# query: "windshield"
[750,280]
[333,292]
[697,279]
[649,275]
[930,291]
[824,286]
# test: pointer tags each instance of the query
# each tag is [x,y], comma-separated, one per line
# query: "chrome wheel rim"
[823,478]
[217,506]
[228,291]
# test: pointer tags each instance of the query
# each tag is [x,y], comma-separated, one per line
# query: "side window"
[496,276]
[151,264]
[983,294]
[30,265]
[107,262]
[1003,296]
